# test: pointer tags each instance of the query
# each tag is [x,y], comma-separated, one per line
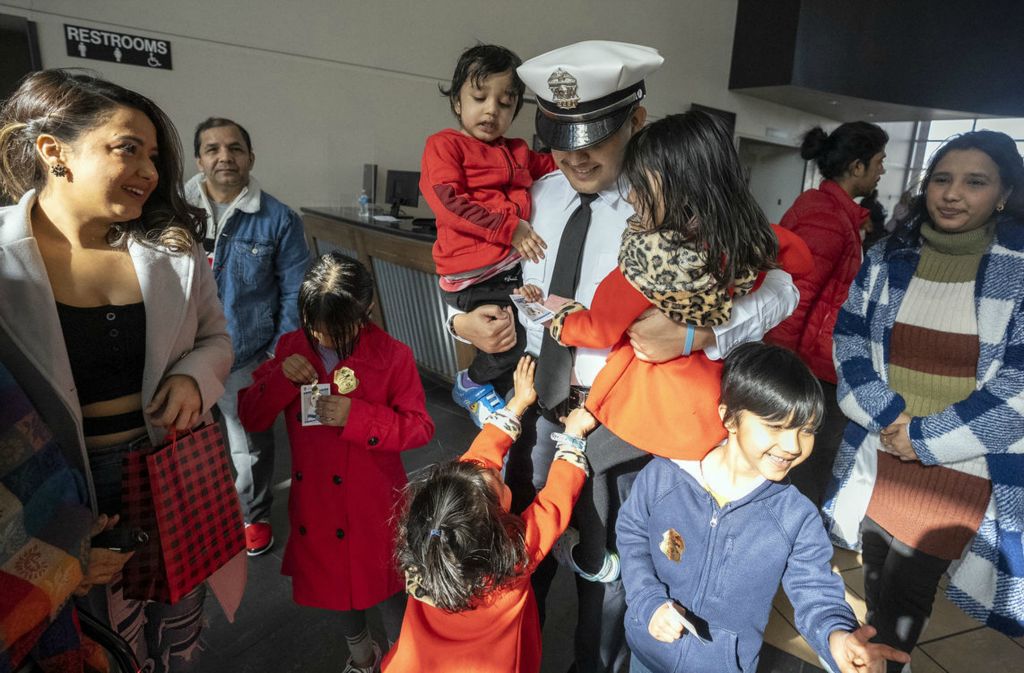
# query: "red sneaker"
[259,538]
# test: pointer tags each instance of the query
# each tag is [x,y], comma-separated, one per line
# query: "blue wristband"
[688,345]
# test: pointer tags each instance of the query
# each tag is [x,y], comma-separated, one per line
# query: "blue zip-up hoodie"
[260,258]
[733,560]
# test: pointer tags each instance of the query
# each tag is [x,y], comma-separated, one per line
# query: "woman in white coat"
[109,311]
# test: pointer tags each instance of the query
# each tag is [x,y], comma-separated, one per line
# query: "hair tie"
[435,532]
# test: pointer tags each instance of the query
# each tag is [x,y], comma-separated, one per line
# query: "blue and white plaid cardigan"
[987,583]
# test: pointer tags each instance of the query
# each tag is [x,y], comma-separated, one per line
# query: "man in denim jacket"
[256,247]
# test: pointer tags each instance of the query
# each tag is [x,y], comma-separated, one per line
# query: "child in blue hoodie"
[705,543]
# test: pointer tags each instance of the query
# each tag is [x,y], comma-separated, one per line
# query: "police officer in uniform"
[589,99]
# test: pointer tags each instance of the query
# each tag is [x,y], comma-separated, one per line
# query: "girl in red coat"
[697,240]
[468,560]
[347,474]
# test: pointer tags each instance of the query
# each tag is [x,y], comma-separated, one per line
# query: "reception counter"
[409,304]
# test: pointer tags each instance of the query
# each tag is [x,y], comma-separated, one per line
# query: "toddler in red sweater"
[477,182]
[468,560]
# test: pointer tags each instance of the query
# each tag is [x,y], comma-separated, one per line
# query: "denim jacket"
[259,261]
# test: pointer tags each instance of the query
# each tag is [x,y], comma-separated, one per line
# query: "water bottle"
[364,204]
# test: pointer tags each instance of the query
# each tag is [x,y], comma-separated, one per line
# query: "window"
[931,136]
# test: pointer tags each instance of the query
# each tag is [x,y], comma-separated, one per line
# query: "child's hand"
[665,624]
[298,370]
[579,422]
[525,393]
[333,410]
[527,243]
[531,293]
[855,654]
[553,302]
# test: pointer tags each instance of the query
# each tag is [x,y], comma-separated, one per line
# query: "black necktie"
[554,366]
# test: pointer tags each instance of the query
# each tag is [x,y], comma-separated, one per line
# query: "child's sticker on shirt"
[672,545]
[310,394]
[345,381]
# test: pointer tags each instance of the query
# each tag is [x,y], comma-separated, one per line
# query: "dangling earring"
[1000,207]
[59,170]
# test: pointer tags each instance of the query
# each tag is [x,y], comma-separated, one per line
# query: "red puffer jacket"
[829,222]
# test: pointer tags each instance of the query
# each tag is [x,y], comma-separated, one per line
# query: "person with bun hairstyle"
[828,219]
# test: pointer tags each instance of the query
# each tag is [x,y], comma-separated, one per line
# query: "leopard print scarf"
[666,268]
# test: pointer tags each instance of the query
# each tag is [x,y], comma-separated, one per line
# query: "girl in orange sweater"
[467,560]
[697,240]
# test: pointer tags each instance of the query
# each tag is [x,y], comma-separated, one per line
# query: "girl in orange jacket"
[467,560]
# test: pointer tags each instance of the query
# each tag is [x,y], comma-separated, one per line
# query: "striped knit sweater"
[44,525]
[932,360]
[988,581]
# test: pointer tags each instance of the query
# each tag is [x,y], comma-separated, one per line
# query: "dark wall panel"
[920,53]
[764,44]
[19,51]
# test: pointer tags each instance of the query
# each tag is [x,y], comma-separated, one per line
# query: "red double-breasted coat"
[345,482]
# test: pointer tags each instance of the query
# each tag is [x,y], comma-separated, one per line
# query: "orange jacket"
[502,635]
[669,409]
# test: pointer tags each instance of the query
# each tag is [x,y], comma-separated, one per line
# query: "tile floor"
[271,633]
[952,642]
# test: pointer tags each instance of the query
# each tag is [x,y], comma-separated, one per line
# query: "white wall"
[897,163]
[327,85]
[775,175]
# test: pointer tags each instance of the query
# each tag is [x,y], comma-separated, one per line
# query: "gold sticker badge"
[345,380]
[672,545]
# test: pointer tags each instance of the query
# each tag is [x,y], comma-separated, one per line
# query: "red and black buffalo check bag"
[183,496]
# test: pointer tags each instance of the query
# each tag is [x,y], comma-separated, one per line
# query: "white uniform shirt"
[554,200]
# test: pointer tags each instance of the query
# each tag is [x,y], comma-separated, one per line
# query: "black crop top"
[107,349]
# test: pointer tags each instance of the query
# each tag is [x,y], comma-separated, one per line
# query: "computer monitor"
[402,188]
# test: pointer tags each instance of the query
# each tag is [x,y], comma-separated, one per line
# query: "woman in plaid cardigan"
[973,188]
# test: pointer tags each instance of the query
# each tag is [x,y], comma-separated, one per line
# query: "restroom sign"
[105,45]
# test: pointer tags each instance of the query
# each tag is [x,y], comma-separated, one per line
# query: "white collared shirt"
[554,200]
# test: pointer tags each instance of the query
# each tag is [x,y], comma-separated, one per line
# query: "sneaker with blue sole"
[562,551]
[480,400]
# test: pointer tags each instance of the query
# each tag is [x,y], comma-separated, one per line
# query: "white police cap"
[585,91]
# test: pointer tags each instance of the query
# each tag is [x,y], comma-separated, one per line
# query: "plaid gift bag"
[183,495]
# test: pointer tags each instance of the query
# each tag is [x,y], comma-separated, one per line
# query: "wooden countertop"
[406,228]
